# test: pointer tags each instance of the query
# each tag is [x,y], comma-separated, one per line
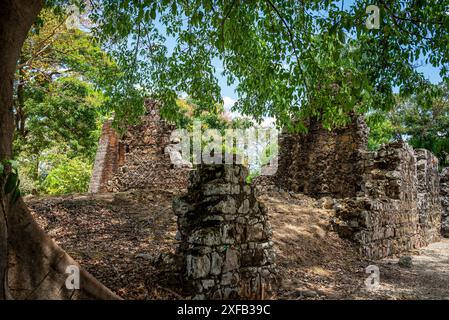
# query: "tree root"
[37,265]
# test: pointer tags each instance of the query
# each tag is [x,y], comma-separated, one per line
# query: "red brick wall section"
[106,160]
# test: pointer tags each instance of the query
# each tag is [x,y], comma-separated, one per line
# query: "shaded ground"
[113,235]
[116,237]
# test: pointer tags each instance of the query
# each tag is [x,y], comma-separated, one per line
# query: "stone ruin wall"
[323,162]
[399,209]
[389,200]
[225,250]
[429,202]
[139,159]
[444,190]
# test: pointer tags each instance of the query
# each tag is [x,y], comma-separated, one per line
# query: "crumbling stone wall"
[140,158]
[323,162]
[429,202]
[399,209]
[388,201]
[444,192]
[385,220]
[225,236]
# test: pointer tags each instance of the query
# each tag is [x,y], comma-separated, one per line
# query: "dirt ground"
[117,237]
[428,277]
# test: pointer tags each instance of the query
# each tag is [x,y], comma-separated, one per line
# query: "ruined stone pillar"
[429,202]
[444,193]
[106,159]
[225,247]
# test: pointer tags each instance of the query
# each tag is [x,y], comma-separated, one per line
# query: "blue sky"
[228,92]
[431,73]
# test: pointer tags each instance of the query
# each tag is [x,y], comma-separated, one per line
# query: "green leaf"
[14,165]
[2,167]
[11,182]
[153,13]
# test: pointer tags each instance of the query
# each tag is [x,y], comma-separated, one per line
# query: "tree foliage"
[65,120]
[52,51]
[423,126]
[289,59]
[67,113]
[381,129]
[68,175]
[59,100]
[426,126]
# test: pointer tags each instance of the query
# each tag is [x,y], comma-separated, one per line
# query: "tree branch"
[224,20]
[292,39]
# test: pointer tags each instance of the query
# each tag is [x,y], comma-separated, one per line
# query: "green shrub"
[69,176]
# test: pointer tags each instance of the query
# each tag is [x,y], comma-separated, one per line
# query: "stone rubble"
[405,262]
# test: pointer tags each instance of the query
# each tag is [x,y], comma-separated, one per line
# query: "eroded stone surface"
[387,201]
[444,190]
[323,162]
[144,157]
[429,201]
[399,209]
[225,236]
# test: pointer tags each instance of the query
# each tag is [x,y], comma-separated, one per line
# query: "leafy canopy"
[290,59]
[59,91]
[59,100]
[421,125]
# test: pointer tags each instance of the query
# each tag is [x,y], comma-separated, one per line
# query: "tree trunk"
[3,252]
[16,18]
[38,266]
[19,104]
[32,266]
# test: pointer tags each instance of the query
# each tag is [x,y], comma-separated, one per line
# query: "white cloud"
[228,102]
